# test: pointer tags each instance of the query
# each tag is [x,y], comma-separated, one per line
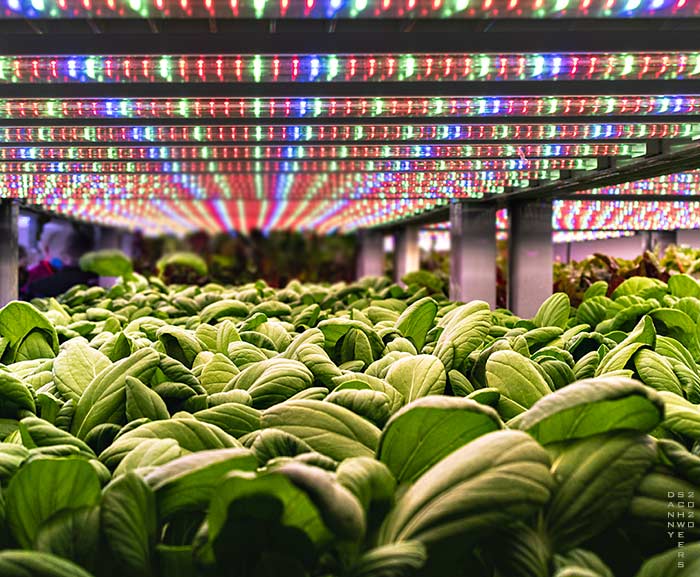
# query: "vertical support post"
[530,255]
[661,239]
[370,258]
[9,273]
[406,251]
[473,253]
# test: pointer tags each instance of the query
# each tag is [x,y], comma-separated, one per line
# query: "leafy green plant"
[352,430]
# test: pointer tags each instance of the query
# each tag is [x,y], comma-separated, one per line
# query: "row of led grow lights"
[518,168]
[320,152]
[333,185]
[434,67]
[626,215]
[344,132]
[214,216]
[325,9]
[346,107]
[683,183]
[309,186]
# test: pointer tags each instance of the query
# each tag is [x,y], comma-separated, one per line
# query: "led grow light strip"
[625,215]
[346,107]
[352,185]
[324,9]
[248,68]
[561,237]
[682,183]
[523,168]
[345,133]
[322,152]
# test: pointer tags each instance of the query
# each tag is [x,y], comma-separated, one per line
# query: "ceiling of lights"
[327,115]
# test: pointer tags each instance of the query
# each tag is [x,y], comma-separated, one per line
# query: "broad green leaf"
[14,396]
[329,429]
[643,335]
[554,312]
[44,487]
[415,322]
[596,479]
[217,373]
[417,376]
[678,325]
[465,328]
[636,285]
[516,377]
[108,262]
[273,381]
[191,434]
[374,406]
[580,562]
[37,432]
[36,564]
[73,534]
[372,483]
[520,551]
[681,416]
[657,372]
[494,480]
[130,524]
[149,453]
[189,482]
[18,320]
[354,346]
[234,418]
[223,308]
[271,444]
[425,431]
[362,381]
[143,402]
[335,329]
[598,288]
[341,511]
[683,285]
[590,407]
[76,366]
[595,310]
[104,399]
[393,560]
[179,344]
[319,363]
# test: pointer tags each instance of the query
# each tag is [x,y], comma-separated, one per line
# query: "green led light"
[629,63]
[539,66]
[409,65]
[164,67]
[257,68]
[377,106]
[90,68]
[484,65]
